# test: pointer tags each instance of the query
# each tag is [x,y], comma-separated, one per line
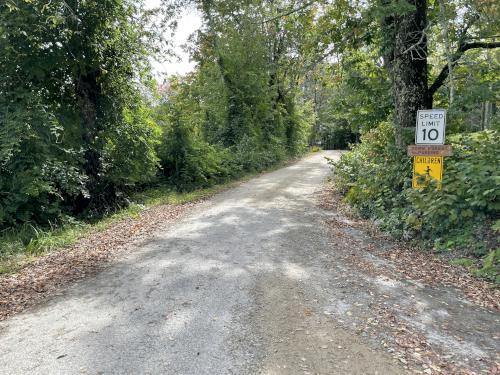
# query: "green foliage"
[372,72]
[470,192]
[37,173]
[189,160]
[350,98]
[376,179]
[466,262]
[241,111]
[186,159]
[491,266]
[475,85]
[298,127]
[78,129]
[75,131]
[374,173]
[129,154]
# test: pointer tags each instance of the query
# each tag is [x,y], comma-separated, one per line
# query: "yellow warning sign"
[425,169]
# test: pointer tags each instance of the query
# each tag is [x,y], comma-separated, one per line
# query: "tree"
[406,28]
[407,61]
[258,52]
[75,130]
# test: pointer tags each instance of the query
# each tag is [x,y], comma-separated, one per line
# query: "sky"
[189,22]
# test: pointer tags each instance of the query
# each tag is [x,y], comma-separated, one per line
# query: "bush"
[189,163]
[374,173]
[251,156]
[39,176]
[470,192]
[335,136]
[375,178]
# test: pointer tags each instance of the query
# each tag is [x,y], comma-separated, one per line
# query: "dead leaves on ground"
[51,272]
[357,241]
[410,262]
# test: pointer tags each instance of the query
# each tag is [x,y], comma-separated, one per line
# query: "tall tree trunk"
[483,116]
[89,93]
[444,31]
[89,97]
[409,69]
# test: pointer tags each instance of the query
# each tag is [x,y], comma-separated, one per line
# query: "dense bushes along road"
[464,216]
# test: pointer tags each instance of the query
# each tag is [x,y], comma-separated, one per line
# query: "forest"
[85,125]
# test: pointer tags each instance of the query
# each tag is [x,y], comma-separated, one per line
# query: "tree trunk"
[409,69]
[483,116]
[449,60]
[89,96]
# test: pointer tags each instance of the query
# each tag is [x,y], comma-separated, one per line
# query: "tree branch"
[441,78]
[472,45]
[295,10]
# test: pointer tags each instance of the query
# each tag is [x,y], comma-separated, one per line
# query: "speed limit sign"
[430,127]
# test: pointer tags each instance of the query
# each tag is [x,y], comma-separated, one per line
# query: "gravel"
[242,284]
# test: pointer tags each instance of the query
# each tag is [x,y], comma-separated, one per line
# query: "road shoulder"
[432,317]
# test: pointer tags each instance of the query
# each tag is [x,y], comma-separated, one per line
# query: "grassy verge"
[23,245]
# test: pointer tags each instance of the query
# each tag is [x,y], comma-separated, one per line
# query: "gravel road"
[241,285]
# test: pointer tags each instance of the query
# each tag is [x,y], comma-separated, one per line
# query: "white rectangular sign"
[430,127]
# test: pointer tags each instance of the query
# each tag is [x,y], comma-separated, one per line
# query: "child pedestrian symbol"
[427,169]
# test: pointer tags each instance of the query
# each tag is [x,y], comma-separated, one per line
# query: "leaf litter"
[433,317]
[50,273]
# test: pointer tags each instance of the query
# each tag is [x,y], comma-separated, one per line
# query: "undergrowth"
[21,245]
[460,221]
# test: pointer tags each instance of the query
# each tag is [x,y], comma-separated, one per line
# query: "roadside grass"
[23,245]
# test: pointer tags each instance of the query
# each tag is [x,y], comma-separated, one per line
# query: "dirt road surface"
[247,283]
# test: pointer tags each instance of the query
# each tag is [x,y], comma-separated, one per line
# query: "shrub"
[39,175]
[375,178]
[374,173]
[470,192]
[189,163]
